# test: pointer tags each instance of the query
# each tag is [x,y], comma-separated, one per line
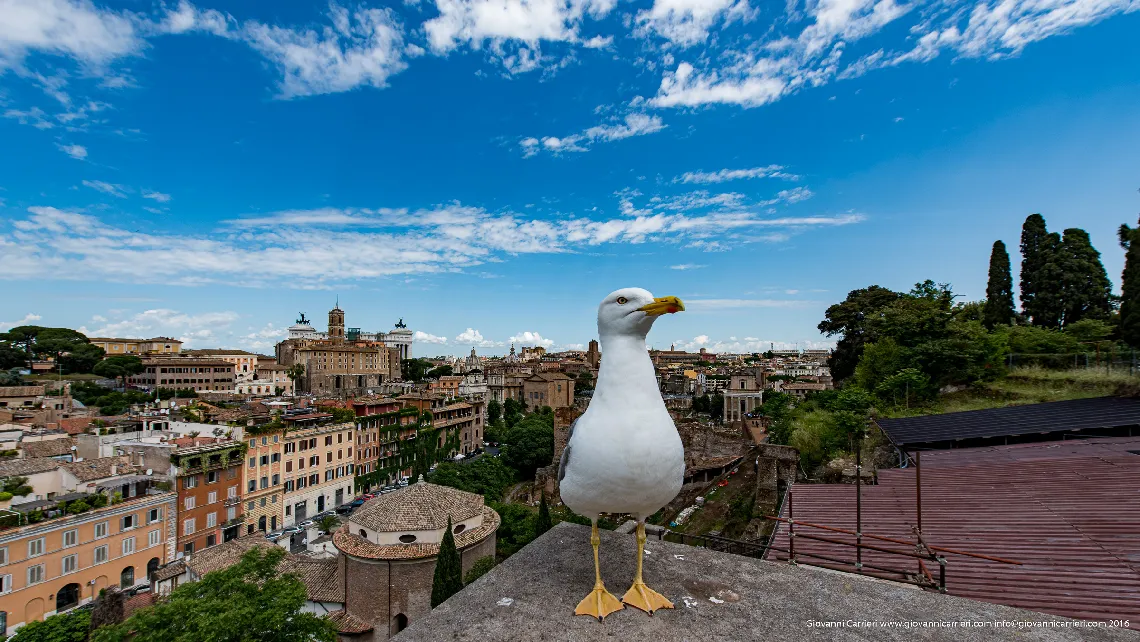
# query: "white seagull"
[624,454]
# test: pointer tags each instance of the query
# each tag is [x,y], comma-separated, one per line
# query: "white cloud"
[324,248]
[78,152]
[747,345]
[724,175]
[74,28]
[107,188]
[196,330]
[424,337]
[35,117]
[688,22]
[156,196]
[511,30]
[28,319]
[473,337]
[264,339]
[531,339]
[598,42]
[633,124]
[686,266]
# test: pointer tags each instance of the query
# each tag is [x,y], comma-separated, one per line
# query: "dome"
[419,507]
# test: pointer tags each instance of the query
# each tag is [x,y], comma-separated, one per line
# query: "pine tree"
[999,292]
[1041,298]
[1033,233]
[1130,286]
[543,522]
[1086,292]
[448,578]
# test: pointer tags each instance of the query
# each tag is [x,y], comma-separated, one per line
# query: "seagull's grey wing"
[565,461]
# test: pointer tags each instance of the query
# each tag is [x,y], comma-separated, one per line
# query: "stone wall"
[776,464]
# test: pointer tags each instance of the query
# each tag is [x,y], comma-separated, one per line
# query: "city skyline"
[206,170]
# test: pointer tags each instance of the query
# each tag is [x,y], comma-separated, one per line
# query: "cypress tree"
[1130,286]
[1033,234]
[1041,273]
[1086,292]
[999,291]
[543,522]
[448,578]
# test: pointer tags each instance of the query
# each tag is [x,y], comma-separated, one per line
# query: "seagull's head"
[632,311]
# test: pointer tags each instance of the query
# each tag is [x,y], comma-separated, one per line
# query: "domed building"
[388,552]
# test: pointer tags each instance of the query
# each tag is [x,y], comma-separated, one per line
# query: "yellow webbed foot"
[599,603]
[641,596]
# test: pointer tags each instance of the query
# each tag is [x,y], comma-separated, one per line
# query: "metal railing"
[720,544]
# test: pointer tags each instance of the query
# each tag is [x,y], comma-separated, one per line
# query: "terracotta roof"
[47,448]
[92,469]
[321,577]
[359,547]
[10,467]
[75,425]
[347,623]
[138,601]
[549,376]
[224,555]
[419,507]
[174,569]
[21,391]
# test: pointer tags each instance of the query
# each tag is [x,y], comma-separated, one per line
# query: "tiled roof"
[22,467]
[347,623]
[224,555]
[321,577]
[218,352]
[137,601]
[75,425]
[419,507]
[92,469]
[21,391]
[174,569]
[47,448]
[359,547]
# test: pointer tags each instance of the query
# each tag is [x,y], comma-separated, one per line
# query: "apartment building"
[209,494]
[157,345]
[202,375]
[462,419]
[58,564]
[262,481]
[319,469]
[380,426]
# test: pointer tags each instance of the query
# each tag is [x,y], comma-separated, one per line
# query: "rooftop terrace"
[718,596]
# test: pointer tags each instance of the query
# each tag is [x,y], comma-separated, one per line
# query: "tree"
[479,569]
[414,369]
[119,366]
[1041,297]
[328,524]
[487,476]
[343,415]
[777,411]
[253,600]
[585,381]
[82,358]
[23,339]
[494,411]
[64,627]
[542,523]
[512,412]
[1086,292]
[999,308]
[441,371]
[53,343]
[11,377]
[295,372]
[716,405]
[1130,286]
[448,578]
[16,486]
[529,446]
[849,320]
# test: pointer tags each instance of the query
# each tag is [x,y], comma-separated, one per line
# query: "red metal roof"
[1069,511]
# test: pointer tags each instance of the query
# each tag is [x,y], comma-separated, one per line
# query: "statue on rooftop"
[302,320]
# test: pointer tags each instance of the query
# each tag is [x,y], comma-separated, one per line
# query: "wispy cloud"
[423,337]
[686,266]
[747,345]
[156,196]
[633,124]
[725,175]
[78,152]
[196,330]
[107,188]
[688,22]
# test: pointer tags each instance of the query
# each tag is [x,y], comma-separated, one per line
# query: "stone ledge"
[532,596]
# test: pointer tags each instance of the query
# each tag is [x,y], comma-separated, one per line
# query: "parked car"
[292,530]
[356,503]
[324,514]
[345,509]
[306,524]
[274,536]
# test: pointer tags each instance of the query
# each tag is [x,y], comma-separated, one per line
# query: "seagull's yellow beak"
[663,305]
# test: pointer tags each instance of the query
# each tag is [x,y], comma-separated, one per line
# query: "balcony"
[232,501]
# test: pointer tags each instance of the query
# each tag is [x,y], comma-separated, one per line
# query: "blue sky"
[489,169]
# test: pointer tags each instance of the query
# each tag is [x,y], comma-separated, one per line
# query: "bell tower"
[336,323]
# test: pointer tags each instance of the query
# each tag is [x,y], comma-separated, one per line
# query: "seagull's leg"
[639,595]
[599,603]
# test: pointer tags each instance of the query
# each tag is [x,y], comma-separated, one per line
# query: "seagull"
[624,454]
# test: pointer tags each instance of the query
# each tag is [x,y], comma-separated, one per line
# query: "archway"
[67,597]
[152,568]
[261,523]
[127,577]
[34,611]
[400,621]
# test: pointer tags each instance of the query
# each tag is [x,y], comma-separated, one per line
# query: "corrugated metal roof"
[1068,511]
[1032,419]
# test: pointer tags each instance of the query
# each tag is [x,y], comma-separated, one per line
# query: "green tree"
[328,524]
[16,486]
[448,578]
[999,308]
[414,369]
[777,411]
[1089,330]
[441,371]
[1086,292]
[479,569]
[53,343]
[516,528]
[11,356]
[585,381]
[82,358]
[119,366]
[542,522]
[1130,286]
[1041,273]
[494,411]
[881,360]
[252,600]
[487,476]
[529,446]
[343,415]
[910,384]
[512,412]
[848,320]
[72,626]
[23,339]
[716,405]
[295,372]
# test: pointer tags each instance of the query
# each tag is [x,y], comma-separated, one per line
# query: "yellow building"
[157,345]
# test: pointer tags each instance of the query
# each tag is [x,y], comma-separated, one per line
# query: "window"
[70,538]
[231,513]
[314,479]
[263,502]
[253,443]
[36,547]
[231,492]
[212,497]
[290,448]
[212,477]
[275,458]
[153,538]
[190,482]
[153,515]
[276,479]
[264,460]
[328,456]
[288,510]
[349,468]
[407,539]
[339,454]
[265,482]
[211,540]
[100,530]
[3,556]
[100,554]
[276,438]
[190,502]
[70,564]
[264,441]
[35,574]
[127,522]
[289,486]
[129,545]
[315,460]
[188,526]
[188,548]
[328,475]
[252,485]
[252,462]
[211,520]
[328,440]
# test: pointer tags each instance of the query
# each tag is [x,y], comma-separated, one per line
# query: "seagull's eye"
[622,300]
